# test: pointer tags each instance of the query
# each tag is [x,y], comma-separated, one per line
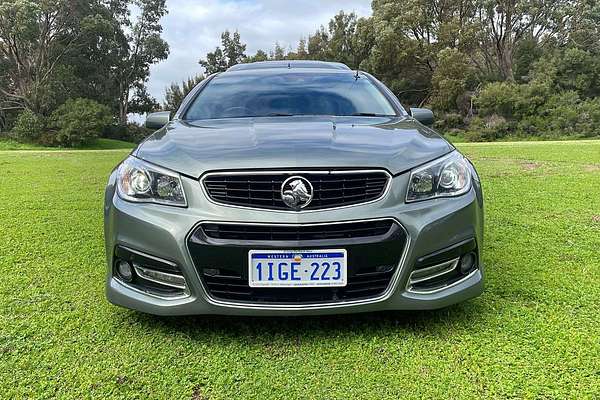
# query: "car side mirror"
[423,115]
[158,119]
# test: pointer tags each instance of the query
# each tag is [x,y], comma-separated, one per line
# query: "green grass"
[459,137]
[99,144]
[534,333]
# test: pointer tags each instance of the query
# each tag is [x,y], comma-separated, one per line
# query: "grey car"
[292,188]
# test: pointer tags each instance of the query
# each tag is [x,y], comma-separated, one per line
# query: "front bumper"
[163,232]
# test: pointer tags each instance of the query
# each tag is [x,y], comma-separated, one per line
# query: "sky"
[193,27]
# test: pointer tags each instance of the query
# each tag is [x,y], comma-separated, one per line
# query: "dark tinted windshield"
[288,93]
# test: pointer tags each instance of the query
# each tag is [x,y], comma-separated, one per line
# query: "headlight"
[445,177]
[145,183]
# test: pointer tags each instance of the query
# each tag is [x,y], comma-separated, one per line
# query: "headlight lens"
[445,177]
[142,182]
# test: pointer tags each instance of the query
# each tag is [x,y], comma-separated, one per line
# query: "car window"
[291,93]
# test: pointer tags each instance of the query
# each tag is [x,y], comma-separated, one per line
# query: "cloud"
[193,28]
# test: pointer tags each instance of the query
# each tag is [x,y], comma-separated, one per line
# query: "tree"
[364,40]
[318,45]
[175,93]
[78,122]
[506,23]
[260,55]
[215,62]
[36,39]
[278,52]
[584,27]
[342,28]
[142,102]
[221,59]
[450,80]
[233,48]
[143,47]
[301,50]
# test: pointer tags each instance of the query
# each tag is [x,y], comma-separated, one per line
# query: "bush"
[28,127]
[131,132]
[78,122]
[489,128]
[497,98]
[563,115]
[136,133]
[450,80]
[445,122]
[533,109]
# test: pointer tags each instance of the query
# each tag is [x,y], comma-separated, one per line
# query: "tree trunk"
[123,103]
[122,112]
[505,63]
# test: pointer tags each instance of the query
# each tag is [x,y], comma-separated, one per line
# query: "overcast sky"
[193,27]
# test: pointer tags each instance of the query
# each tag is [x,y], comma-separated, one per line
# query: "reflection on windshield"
[287,94]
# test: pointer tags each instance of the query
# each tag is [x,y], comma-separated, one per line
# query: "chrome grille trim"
[274,233]
[306,174]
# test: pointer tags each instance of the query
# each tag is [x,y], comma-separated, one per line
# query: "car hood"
[193,148]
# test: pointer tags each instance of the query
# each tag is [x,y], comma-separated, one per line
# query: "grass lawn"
[535,333]
[461,137]
[99,144]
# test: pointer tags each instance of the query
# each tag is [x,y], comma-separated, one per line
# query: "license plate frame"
[328,260]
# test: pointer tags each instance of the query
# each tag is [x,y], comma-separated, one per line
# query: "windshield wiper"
[279,115]
[365,114]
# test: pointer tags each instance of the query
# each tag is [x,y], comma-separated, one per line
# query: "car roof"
[289,64]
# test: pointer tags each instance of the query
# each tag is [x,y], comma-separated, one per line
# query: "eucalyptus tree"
[141,47]
[231,54]
[175,93]
[36,40]
[505,24]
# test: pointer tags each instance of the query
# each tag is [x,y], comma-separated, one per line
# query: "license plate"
[297,268]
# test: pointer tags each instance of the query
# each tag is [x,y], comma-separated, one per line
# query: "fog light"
[125,271]
[467,262]
[172,280]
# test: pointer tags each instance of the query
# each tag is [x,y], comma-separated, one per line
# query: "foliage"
[175,93]
[259,56]
[142,102]
[494,68]
[346,39]
[37,40]
[278,52]
[450,80]
[136,133]
[143,47]
[28,126]
[534,109]
[221,59]
[507,23]
[130,133]
[78,122]
[448,121]
[51,51]
[519,59]
[98,144]
[342,29]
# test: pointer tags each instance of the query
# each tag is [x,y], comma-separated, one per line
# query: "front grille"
[220,254]
[298,232]
[330,189]
[363,285]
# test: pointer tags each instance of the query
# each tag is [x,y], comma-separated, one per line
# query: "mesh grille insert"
[330,189]
[299,232]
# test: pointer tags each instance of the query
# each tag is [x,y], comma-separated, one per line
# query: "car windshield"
[288,93]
